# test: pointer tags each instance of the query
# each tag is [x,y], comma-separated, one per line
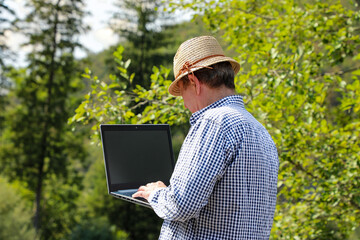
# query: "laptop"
[135,155]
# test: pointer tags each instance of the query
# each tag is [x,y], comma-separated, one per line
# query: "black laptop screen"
[137,155]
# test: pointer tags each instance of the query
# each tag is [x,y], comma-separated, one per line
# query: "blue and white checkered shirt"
[225,181]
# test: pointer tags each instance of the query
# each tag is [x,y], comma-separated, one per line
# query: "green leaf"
[86,76]
[127,63]
[356,72]
[121,69]
[131,78]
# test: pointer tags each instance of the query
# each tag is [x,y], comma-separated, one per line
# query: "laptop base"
[140,201]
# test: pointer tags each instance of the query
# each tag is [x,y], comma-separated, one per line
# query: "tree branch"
[258,15]
[341,72]
[355,204]
[300,167]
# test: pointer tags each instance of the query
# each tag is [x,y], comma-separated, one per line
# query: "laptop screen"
[136,155]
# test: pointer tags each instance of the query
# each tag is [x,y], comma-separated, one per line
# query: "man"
[224,183]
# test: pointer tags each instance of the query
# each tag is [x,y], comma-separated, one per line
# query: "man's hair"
[220,74]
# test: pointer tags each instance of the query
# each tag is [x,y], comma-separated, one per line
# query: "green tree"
[139,24]
[101,105]
[94,229]
[6,23]
[116,102]
[300,78]
[102,64]
[127,220]
[39,146]
[15,213]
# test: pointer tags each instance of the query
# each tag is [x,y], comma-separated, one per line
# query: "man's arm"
[201,163]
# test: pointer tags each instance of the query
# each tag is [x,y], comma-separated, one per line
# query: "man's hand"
[144,191]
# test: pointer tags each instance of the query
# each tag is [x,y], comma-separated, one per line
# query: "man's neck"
[212,95]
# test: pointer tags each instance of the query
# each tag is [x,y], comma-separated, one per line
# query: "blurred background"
[68,65]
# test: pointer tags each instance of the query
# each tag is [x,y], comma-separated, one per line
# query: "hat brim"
[174,87]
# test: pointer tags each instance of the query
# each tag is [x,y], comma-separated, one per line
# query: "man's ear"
[195,81]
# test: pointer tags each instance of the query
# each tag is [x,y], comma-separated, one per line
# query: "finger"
[137,194]
[160,184]
[146,195]
[142,188]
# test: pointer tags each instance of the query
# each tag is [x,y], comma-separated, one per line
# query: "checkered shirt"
[224,183]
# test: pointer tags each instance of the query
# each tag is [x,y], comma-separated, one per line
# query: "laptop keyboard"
[129,193]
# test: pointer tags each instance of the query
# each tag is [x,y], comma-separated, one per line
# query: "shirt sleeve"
[201,162]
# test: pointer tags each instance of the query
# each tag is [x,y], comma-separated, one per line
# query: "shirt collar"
[229,100]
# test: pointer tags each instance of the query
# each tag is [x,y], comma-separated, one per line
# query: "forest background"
[299,77]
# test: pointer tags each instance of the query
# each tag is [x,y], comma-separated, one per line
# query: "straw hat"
[195,54]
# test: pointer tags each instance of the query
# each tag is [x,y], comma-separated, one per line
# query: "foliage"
[94,229]
[59,206]
[102,63]
[140,23]
[300,78]
[6,23]
[15,214]
[126,220]
[38,144]
[113,103]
